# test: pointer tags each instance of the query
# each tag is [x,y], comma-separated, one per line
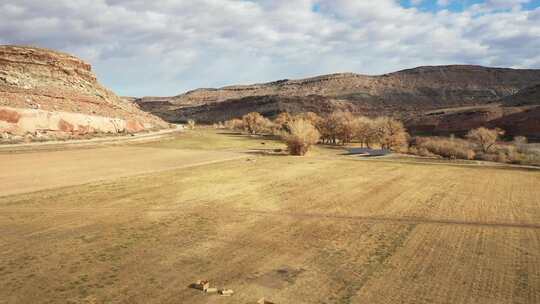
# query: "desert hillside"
[405,93]
[430,86]
[44,93]
[517,114]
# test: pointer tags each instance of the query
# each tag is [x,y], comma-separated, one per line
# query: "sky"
[166,47]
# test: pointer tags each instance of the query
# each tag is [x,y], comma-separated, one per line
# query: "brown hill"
[49,93]
[268,106]
[405,93]
[432,85]
[434,99]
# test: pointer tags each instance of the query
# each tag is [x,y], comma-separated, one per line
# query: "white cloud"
[443,2]
[168,46]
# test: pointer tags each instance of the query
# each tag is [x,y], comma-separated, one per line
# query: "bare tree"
[313,118]
[484,138]
[254,123]
[391,133]
[366,131]
[329,128]
[302,135]
[346,127]
[282,121]
[338,126]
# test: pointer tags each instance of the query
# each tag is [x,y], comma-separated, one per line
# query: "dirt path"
[84,143]
[295,215]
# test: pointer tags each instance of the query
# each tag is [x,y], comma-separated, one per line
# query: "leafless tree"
[302,135]
[484,138]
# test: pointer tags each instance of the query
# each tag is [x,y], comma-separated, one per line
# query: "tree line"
[303,130]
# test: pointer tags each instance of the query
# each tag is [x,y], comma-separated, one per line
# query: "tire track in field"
[299,215]
[404,220]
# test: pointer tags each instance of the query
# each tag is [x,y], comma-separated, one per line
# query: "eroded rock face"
[55,92]
[23,121]
[431,86]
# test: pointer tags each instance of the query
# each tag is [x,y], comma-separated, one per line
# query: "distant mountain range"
[434,99]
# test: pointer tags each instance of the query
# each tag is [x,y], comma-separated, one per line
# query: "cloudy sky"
[165,47]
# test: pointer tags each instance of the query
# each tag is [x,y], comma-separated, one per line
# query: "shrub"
[234,124]
[421,151]
[450,148]
[191,124]
[302,135]
[520,140]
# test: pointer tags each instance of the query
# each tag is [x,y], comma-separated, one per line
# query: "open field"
[320,229]
[43,170]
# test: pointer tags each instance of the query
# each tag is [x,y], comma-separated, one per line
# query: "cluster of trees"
[343,128]
[302,131]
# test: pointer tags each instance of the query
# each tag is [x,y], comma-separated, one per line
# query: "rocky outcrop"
[18,121]
[431,87]
[53,92]
[527,96]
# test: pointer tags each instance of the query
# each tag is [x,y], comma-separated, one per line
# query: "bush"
[450,148]
[421,151]
[234,124]
[191,124]
[302,135]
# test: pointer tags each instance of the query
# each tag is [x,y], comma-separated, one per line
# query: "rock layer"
[431,86]
[44,87]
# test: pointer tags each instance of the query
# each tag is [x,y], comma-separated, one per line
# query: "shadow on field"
[254,136]
[268,152]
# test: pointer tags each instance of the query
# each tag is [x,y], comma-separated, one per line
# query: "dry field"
[320,229]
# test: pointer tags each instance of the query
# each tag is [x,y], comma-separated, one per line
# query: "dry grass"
[345,231]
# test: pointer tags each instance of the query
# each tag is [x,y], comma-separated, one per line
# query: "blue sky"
[432,5]
[166,47]
[456,5]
